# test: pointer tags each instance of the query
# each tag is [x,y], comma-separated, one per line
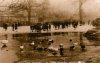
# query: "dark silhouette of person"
[61,50]
[32,27]
[71,45]
[5,25]
[49,26]
[16,26]
[82,45]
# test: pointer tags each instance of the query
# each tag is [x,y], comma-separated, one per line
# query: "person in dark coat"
[16,26]
[5,26]
[82,46]
[49,26]
[61,50]
[32,27]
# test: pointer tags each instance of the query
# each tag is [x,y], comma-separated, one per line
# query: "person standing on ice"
[5,26]
[72,46]
[61,50]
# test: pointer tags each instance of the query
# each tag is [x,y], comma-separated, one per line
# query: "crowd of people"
[54,51]
[45,26]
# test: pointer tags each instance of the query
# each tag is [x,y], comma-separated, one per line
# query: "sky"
[91,8]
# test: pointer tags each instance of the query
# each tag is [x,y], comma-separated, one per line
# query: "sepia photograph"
[49,31]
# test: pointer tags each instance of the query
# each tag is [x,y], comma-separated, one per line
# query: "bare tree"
[81,3]
[30,7]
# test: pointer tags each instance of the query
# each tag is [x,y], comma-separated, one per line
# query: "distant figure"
[82,45]
[49,26]
[5,25]
[40,48]
[61,50]
[16,26]
[32,27]
[71,45]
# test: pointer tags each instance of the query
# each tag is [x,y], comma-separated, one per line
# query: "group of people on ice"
[71,48]
[53,50]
